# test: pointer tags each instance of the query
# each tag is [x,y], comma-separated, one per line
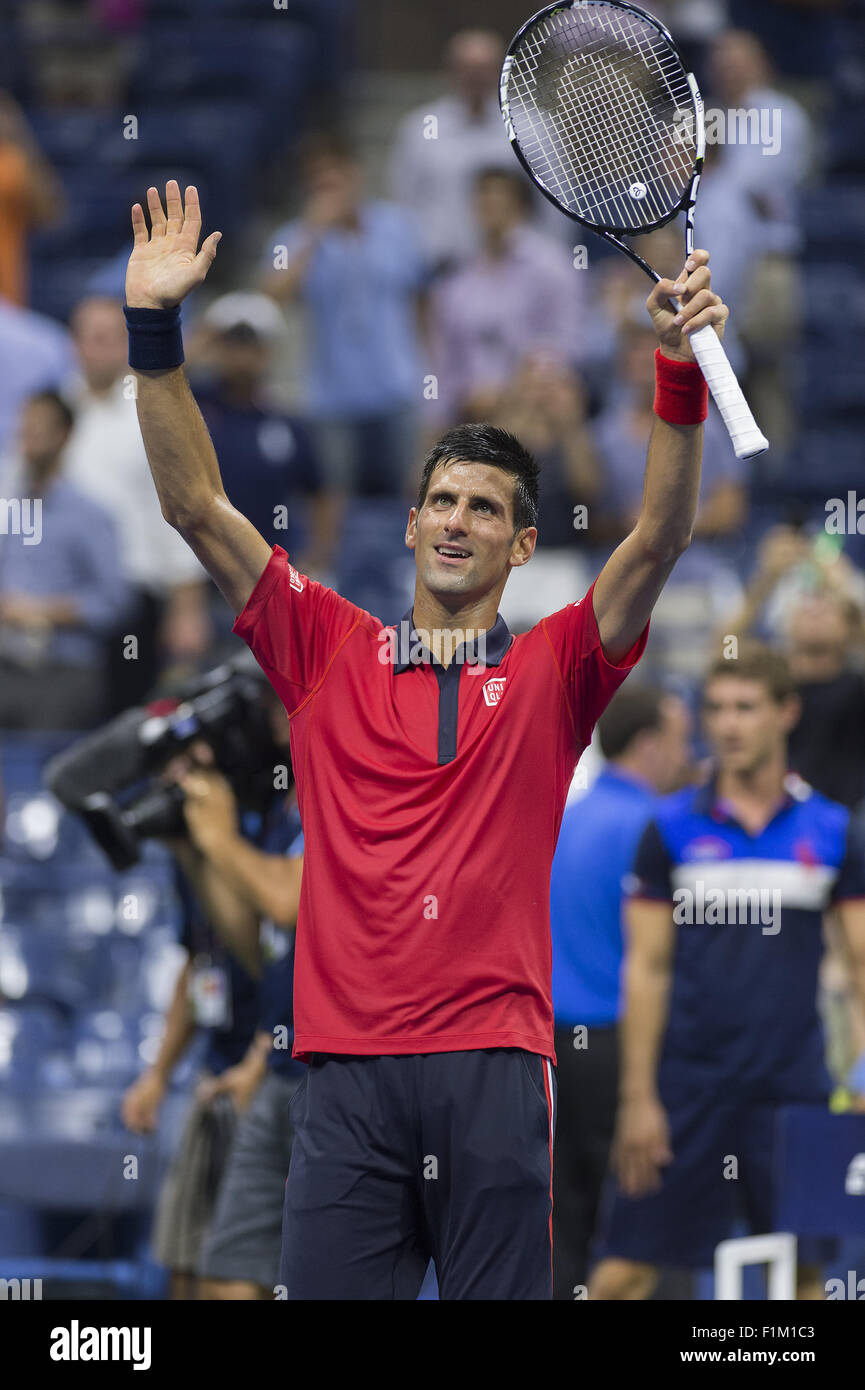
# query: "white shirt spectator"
[105,458]
[436,154]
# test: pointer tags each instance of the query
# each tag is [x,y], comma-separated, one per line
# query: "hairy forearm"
[647,989]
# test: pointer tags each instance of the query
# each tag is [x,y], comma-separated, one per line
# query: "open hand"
[165,263]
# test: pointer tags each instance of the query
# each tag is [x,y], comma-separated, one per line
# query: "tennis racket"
[608,124]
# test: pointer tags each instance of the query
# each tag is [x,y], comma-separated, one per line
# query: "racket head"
[603,116]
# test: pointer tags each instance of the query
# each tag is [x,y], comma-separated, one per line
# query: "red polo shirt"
[431,800]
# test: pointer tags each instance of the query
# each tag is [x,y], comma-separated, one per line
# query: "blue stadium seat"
[834,305]
[826,462]
[833,219]
[833,383]
[53,966]
[380,578]
[32,1035]
[845,141]
[263,62]
[66,1151]
[219,138]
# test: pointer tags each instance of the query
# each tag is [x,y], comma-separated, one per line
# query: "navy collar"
[707,802]
[498,639]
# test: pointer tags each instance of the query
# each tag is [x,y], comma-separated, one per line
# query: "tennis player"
[432,764]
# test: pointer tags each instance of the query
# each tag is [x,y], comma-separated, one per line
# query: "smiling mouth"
[454,553]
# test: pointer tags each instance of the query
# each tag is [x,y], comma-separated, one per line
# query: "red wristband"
[681,393]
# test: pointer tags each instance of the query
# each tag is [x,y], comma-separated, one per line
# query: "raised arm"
[164,266]
[630,583]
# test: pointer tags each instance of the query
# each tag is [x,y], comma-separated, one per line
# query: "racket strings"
[616,148]
[592,97]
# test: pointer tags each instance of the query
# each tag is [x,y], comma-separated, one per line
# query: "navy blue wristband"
[155,340]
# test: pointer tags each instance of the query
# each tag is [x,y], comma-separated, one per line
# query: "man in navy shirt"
[268,458]
[721,1026]
[643,734]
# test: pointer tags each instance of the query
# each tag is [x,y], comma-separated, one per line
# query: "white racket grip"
[748,442]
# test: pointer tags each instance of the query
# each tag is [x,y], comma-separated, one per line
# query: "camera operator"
[229,881]
[240,1255]
[216,991]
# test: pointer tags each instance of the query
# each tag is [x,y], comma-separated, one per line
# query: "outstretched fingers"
[157,216]
[192,215]
[174,207]
[206,256]
[140,233]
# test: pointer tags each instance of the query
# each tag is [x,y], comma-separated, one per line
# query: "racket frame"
[747,439]
[688,200]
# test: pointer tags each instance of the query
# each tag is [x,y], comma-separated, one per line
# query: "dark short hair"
[331,143]
[631,712]
[497,447]
[514,178]
[57,402]
[756,662]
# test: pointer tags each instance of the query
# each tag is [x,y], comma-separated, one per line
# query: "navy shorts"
[399,1160]
[722,1170]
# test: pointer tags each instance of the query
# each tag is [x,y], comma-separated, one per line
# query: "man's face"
[42,433]
[475,60]
[240,358]
[337,179]
[497,205]
[99,331]
[745,726]
[820,633]
[463,535]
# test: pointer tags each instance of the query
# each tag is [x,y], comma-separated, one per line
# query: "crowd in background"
[454,293]
[374,299]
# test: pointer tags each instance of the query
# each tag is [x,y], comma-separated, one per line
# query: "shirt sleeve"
[589,678]
[651,874]
[850,882]
[294,627]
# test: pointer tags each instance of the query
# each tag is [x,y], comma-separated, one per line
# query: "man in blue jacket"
[644,737]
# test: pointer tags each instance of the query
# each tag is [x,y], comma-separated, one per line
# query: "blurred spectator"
[35,355]
[267,459]
[758,167]
[29,197]
[643,734]
[704,582]
[357,269]
[518,294]
[767,157]
[61,585]
[822,634]
[793,564]
[721,1026]
[441,146]
[168,616]
[544,406]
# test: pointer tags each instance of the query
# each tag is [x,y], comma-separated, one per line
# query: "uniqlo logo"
[493,691]
[294,579]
